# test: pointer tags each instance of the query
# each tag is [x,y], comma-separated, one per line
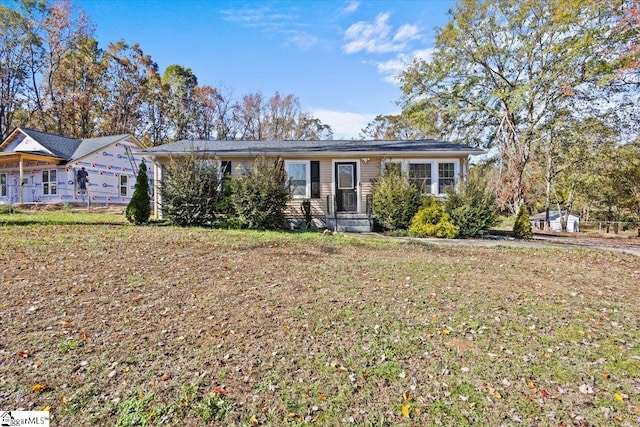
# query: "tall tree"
[205,101]
[504,71]
[250,117]
[15,40]
[278,118]
[62,34]
[129,81]
[180,81]
[614,183]
[156,112]
[391,127]
[80,90]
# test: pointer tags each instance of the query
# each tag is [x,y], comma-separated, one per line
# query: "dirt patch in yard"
[118,325]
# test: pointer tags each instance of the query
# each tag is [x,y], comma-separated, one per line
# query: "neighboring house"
[38,167]
[538,222]
[336,176]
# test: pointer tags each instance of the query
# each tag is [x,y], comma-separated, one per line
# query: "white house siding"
[104,167]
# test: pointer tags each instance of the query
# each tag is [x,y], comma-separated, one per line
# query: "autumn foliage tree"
[505,73]
[55,77]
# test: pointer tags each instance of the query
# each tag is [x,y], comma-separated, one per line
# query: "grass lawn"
[110,324]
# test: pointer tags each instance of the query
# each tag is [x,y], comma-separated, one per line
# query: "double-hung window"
[420,176]
[299,176]
[3,185]
[49,182]
[446,176]
[124,185]
[429,176]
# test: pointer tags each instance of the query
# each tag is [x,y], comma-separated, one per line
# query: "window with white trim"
[446,176]
[299,176]
[430,176]
[420,176]
[3,185]
[49,182]
[124,185]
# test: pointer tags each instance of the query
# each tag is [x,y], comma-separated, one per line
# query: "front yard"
[121,325]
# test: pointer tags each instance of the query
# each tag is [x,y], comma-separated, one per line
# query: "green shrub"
[472,208]
[432,220]
[191,192]
[395,201]
[139,208]
[227,214]
[260,195]
[522,226]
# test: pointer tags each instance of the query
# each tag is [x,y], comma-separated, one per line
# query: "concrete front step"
[350,223]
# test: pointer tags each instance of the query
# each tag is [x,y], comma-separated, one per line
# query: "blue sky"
[338,57]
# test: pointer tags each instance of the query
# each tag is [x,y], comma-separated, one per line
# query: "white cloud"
[407,32]
[261,17]
[345,125]
[376,37]
[424,54]
[392,68]
[351,7]
[273,22]
[303,40]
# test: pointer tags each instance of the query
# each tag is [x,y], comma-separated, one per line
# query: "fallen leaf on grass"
[64,400]
[545,393]
[620,397]
[406,409]
[253,421]
[37,388]
[23,354]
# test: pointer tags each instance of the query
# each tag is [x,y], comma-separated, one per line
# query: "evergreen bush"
[191,192]
[471,208]
[432,220]
[139,208]
[395,201]
[522,226]
[260,195]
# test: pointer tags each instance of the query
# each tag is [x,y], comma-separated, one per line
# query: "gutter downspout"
[157,176]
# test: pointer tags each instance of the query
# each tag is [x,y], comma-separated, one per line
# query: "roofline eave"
[208,153]
[15,156]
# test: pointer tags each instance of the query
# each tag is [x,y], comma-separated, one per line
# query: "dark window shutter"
[226,168]
[315,179]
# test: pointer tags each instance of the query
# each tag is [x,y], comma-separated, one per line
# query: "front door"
[346,187]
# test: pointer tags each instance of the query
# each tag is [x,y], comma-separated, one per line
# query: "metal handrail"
[369,209]
[332,202]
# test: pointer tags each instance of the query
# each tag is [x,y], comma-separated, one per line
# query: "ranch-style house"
[336,176]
